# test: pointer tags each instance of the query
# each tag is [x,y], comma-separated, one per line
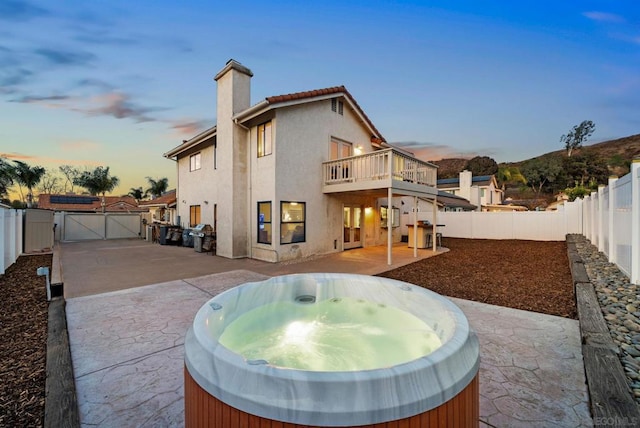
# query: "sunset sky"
[118,83]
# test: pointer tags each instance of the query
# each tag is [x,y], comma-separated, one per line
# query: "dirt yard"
[528,275]
[23,339]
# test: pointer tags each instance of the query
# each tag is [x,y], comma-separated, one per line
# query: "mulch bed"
[529,275]
[23,342]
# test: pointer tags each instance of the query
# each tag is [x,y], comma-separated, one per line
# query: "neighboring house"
[87,203]
[293,175]
[163,208]
[481,191]
[561,199]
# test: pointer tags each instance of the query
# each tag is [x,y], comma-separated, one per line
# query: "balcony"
[379,170]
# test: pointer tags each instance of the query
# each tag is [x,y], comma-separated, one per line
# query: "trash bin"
[187,238]
[164,231]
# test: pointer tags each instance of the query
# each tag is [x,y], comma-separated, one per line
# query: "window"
[264,222]
[292,222]
[337,106]
[194,162]
[215,155]
[264,139]
[384,217]
[194,215]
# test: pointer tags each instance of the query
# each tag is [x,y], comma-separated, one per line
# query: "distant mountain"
[617,153]
[450,168]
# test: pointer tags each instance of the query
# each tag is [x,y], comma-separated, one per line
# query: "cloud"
[428,151]
[62,57]
[190,128]
[18,10]
[604,17]
[118,105]
[37,160]
[79,145]
[102,37]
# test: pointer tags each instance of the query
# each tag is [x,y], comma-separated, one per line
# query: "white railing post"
[611,225]
[635,221]
[600,222]
[593,219]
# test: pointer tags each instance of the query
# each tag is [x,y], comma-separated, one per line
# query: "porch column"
[415,226]
[389,224]
[435,215]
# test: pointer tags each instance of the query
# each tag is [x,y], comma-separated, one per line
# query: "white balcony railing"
[384,165]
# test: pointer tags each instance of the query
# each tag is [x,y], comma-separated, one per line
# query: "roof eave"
[208,133]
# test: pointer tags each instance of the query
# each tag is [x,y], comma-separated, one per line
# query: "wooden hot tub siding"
[204,410]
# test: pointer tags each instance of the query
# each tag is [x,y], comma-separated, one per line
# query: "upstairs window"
[194,162]
[265,142]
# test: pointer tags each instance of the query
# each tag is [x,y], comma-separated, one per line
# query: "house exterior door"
[352,221]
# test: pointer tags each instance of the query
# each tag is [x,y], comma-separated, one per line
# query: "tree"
[586,167]
[70,173]
[541,174]
[577,136]
[97,182]
[6,177]
[137,193]
[50,182]
[509,174]
[29,177]
[157,187]
[482,165]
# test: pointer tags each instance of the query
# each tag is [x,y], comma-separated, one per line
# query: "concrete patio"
[127,346]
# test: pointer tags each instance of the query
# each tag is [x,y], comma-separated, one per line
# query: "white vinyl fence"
[10,237]
[526,225]
[88,226]
[612,221]
[608,218]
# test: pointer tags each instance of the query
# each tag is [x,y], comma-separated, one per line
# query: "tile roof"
[299,96]
[86,203]
[167,198]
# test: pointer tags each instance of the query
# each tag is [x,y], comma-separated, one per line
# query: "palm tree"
[29,177]
[157,187]
[6,177]
[137,193]
[509,174]
[97,182]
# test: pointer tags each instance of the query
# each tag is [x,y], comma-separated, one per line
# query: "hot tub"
[330,350]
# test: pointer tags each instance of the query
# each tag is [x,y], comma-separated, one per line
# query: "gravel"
[620,302]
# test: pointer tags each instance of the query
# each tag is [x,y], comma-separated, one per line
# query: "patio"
[127,345]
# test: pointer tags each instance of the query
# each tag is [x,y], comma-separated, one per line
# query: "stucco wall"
[192,185]
[302,137]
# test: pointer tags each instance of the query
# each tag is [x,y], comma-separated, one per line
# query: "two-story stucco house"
[293,175]
[482,191]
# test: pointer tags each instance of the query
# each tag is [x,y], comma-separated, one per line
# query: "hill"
[617,153]
[614,157]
